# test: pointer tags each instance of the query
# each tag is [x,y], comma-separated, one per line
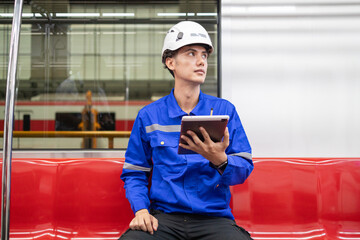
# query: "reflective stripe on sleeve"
[134,167]
[163,128]
[243,154]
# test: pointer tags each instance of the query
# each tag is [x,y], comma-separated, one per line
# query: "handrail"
[9,119]
[110,135]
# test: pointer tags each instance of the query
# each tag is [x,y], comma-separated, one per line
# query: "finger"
[188,140]
[190,144]
[142,225]
[205,134]
[148,224]
[133,224]
[226,140]
[155,223]
[184,146]
[195,138]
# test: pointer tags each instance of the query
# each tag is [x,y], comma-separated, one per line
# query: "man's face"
[189,64]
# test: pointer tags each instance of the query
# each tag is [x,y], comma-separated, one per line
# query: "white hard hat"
[186,33]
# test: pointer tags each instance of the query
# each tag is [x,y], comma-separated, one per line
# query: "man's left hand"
[212,151]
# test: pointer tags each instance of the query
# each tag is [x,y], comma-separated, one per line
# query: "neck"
[187,96]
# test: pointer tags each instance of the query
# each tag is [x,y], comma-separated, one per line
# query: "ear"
[170,63]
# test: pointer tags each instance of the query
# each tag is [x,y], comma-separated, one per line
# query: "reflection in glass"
[113,51]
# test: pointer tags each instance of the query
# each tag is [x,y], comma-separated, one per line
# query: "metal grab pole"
[9,119]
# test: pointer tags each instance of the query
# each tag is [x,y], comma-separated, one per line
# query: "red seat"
[300,199]
[283,199]
[68,199]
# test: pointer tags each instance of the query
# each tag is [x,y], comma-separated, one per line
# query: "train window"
[67,121]
[106,121]
[73,121]
[100,59]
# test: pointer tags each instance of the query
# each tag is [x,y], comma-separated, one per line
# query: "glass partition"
[91,67]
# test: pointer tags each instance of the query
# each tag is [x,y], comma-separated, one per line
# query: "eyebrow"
[194,50]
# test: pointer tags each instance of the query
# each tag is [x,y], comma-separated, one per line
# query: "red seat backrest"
[300,199]
[282,199]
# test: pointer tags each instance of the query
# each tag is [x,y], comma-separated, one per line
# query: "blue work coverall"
[182,183]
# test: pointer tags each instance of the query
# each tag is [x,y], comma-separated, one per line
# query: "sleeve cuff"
[138,205]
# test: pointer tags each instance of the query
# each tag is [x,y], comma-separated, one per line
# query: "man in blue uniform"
[189,194]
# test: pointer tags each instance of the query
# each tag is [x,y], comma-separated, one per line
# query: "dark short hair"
[170,54]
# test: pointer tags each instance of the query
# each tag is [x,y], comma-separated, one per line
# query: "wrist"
[220,160]
[223,164]
[144,210]
[221,167]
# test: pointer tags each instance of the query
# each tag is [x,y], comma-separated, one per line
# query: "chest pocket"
[165,157]
[164,139]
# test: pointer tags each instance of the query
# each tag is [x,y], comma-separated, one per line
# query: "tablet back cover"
[215,128]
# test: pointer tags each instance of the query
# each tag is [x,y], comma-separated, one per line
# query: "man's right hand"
[144,221]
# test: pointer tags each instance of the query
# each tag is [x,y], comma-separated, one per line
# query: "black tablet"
[214,125]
